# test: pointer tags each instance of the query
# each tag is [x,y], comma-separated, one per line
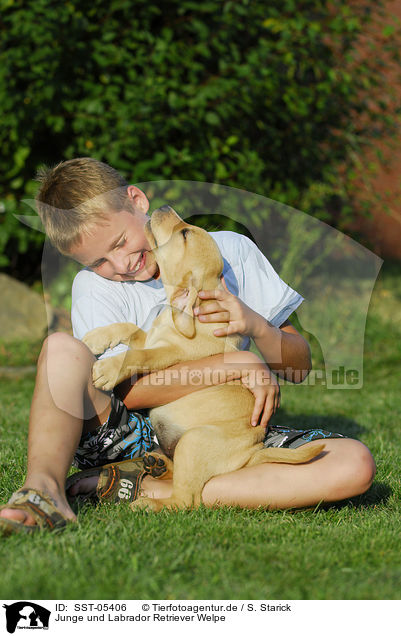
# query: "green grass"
[19,354]
[347,551]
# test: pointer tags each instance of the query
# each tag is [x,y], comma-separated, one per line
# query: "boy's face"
[117,249]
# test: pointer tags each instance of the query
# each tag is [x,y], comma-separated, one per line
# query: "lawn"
[350,550]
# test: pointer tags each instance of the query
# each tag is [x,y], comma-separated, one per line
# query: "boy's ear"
[138,198]
[183,312]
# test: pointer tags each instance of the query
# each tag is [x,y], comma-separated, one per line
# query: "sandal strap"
[42,506]
[118,485]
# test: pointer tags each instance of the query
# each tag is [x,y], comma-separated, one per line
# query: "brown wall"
[383,230]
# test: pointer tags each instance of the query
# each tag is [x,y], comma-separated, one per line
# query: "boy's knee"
[59,345]
[367,467]
[361,468]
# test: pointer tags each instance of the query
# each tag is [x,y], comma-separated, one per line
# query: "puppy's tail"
[286,455]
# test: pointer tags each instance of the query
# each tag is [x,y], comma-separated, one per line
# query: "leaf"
[212,118]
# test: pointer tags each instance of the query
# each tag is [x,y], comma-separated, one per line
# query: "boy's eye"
[122,242]
[97,264]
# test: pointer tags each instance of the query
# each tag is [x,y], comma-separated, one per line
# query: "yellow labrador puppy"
[207,432]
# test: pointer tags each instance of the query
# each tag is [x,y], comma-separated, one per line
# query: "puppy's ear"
[183,312]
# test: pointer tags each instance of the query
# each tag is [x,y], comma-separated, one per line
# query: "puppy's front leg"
[108,337]
[109,372]
[113,370]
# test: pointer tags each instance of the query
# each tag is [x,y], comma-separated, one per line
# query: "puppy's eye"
[184,232]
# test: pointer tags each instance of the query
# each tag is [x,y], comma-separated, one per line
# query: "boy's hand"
[226,307]
[264,386]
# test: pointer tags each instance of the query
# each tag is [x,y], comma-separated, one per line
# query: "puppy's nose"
[165,208]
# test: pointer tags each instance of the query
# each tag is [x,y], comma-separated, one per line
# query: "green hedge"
[253,94]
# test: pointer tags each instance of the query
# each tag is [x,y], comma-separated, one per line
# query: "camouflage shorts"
[125,435]
[128,434]
[285,437]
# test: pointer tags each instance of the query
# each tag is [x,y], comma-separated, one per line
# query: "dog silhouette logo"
[26,615]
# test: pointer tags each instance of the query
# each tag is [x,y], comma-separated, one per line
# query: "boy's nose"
[120,263]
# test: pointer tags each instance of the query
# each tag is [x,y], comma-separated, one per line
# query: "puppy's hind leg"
[158,465]
[199,455]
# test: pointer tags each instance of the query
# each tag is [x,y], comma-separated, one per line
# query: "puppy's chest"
[163,333]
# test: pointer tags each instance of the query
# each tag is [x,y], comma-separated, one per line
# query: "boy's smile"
[117,248]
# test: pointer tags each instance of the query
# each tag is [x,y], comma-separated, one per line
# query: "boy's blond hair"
[75,196]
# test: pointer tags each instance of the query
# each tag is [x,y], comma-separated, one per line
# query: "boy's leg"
[345,469]
[64,397]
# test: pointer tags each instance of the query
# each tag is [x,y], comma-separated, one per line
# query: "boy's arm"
[283,348]
[163,387]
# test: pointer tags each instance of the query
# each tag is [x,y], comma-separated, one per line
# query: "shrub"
[267,97]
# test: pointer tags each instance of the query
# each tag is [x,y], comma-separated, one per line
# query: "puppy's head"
[189,260]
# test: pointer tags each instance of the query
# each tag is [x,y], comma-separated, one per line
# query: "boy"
[91,214]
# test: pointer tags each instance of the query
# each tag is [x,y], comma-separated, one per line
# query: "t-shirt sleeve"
[262,288]
[96,302]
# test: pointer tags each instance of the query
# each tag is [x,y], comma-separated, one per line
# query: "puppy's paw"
[147,503]
[158,466]
[101,338]
[109,372]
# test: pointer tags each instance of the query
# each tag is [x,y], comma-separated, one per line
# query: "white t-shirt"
[97,301]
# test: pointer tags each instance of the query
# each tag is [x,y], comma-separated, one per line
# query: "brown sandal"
[120,481]
[42,508]
[117,482]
